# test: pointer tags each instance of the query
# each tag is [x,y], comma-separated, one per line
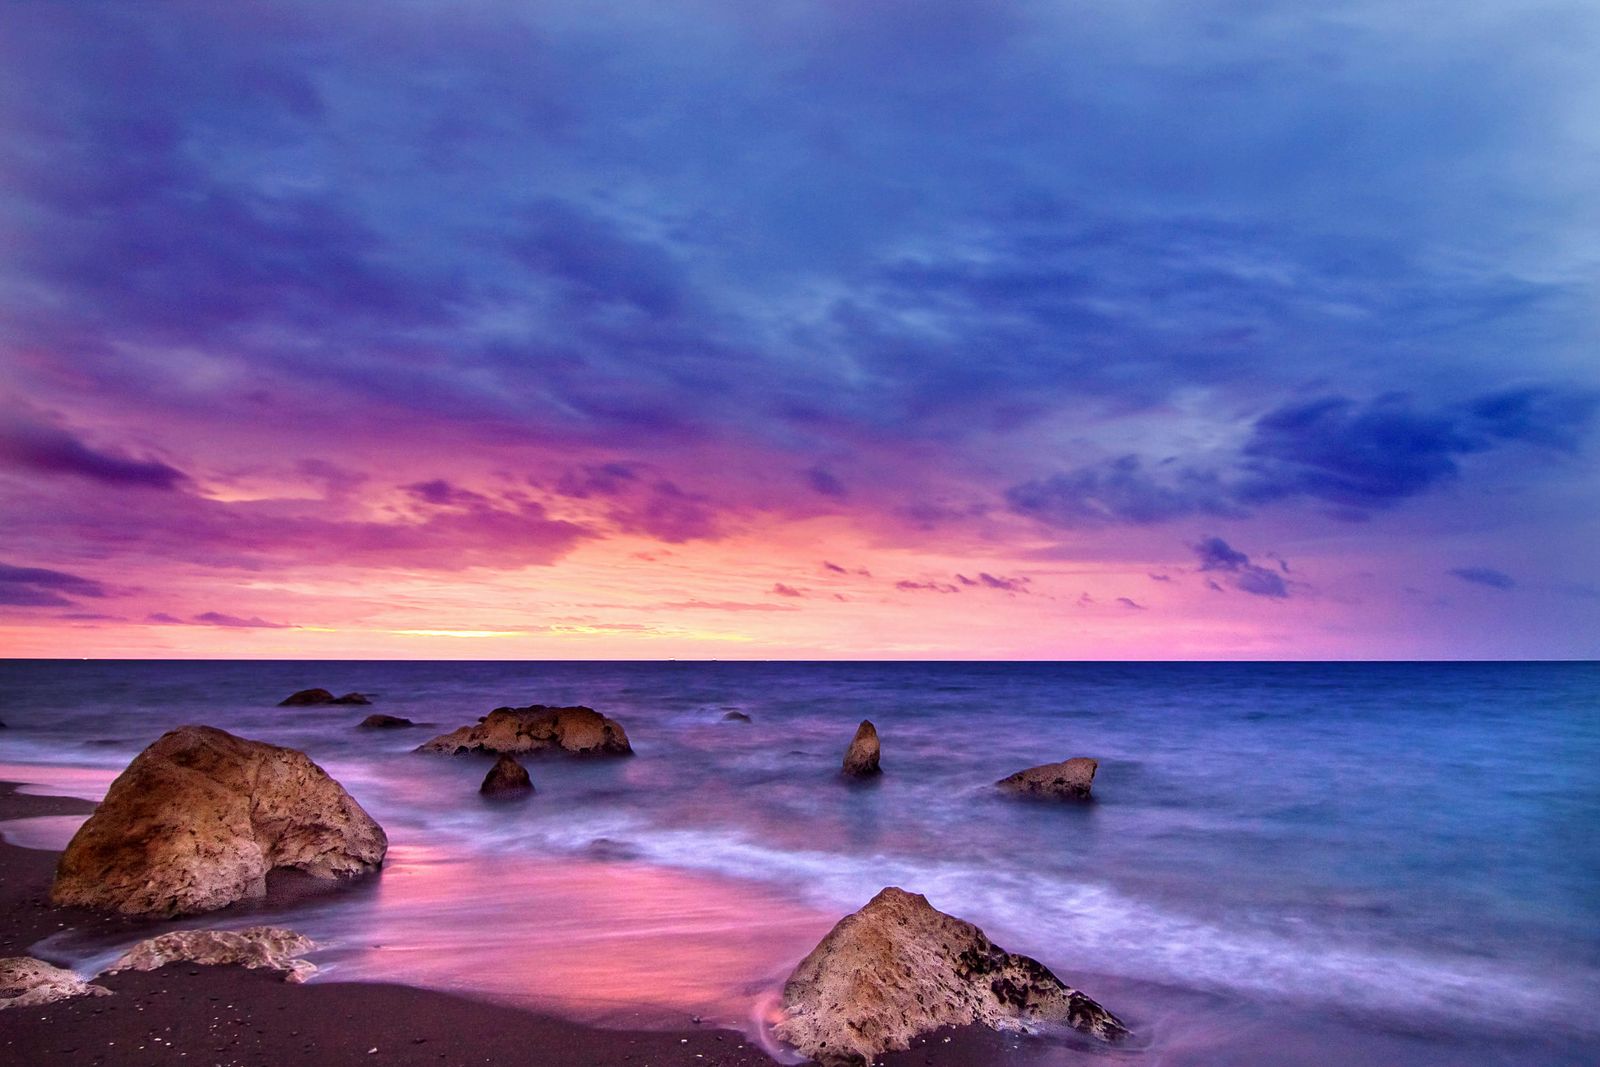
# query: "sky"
[1002,330]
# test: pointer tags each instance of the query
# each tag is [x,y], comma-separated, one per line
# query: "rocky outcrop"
[506,779]
[258,947]
[861,758]
[736,716]
[27,983]
[385,722]
[308,697]
[1068,780]
[199,818]
[899,968]
[580,731]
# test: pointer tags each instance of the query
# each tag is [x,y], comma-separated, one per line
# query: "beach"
[1229,905]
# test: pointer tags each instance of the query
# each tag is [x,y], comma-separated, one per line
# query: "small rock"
[384,722]
[736,716]
[259,947]
[861,758]
[507,778]
[1068,780]
[27,983]
[305,697]
[352,698]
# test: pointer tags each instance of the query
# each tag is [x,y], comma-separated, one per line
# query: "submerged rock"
[581,731]
[259,947]
[736,716]
[861,758]
[899,968]
[199,818]
[507,778]
[27,983]
[307,697]
[1068,780]
[384,722]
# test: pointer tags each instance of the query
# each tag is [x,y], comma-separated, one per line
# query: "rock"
[306,696]
[861,758]
[27,983]
[199,818]
[384,722]
[507,778]
[259,947]
[736,716]
[899,968]
[321,696]
[582,731]
[1067,780]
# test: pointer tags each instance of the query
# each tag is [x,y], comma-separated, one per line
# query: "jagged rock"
[899,968]
[385,722]
[1067,780]
[308,697]
[199,818]
[26,983]
[861,758]
[582,731]
[507,778]
[259,947]
[736,716]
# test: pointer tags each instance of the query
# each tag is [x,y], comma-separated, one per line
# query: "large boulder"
[258,947]
[506,779]
[899,968]
[1068,780]
[27,983]
[581,731]
[199,818]
[861,758]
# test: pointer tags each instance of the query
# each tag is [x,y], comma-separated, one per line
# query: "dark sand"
[230,1016]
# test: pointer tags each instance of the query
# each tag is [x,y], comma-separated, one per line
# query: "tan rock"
[1067,780]
[199,818]
[899,968]
[258,947]
[27,983]
[861,758]
[581,731]
[507,778]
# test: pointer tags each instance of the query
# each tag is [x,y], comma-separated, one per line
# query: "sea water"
[1288,863]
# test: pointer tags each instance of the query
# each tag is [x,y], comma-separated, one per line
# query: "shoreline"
[231,1015]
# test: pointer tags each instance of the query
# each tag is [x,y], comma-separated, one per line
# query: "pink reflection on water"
[52,780]
[600,941]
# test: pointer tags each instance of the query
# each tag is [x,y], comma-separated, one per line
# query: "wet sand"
[232,1016]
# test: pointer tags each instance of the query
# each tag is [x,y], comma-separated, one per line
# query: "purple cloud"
[1215,554]
[33,445]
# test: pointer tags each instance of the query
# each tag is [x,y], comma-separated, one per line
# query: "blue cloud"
[1484,576]
[1215,554]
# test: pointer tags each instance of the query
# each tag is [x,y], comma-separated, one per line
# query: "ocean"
[1285,863]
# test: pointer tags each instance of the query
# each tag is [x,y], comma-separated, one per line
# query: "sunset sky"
[800,330]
